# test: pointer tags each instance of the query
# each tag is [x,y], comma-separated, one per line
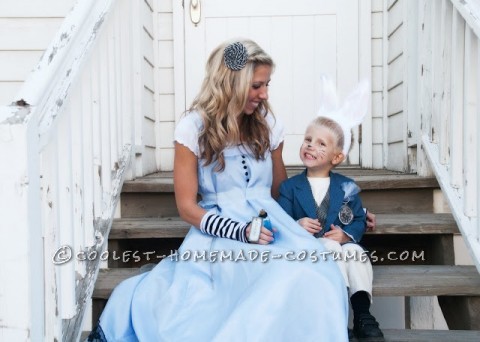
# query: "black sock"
[360,303]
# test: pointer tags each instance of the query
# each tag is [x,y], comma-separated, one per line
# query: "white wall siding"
[16,65]
[377,83]
[146,151]
[165,109]
[400,94]
[395,79]
[26,29]
[35,8]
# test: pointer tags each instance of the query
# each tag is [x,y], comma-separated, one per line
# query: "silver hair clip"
[235,56]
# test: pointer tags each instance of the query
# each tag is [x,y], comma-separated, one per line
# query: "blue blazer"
[297,200]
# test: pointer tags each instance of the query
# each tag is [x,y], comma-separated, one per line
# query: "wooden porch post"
[21,257]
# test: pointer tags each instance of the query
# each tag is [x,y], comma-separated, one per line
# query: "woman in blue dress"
[220,286]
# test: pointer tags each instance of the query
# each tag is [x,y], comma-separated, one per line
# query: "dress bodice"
[243,178]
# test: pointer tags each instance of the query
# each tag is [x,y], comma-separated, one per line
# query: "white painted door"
[304,37]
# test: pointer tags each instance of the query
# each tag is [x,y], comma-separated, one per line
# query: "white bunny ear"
[351,113]
[356,104]
[328,99]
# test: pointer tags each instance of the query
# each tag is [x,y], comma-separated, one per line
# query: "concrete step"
[424,280]
[390,224]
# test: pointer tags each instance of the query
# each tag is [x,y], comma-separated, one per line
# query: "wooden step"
[148,228]
[387,281]
[149,184]
[366,179]
[416,223]
[174,227]
[408,335]
[382,192]
[426,280]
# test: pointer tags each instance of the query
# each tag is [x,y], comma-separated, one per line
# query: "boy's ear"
[338,158]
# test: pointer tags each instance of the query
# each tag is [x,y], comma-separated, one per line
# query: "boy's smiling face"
[319,151]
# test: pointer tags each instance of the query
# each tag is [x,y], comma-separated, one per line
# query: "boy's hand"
[310,225]
[336,233]
[371,221]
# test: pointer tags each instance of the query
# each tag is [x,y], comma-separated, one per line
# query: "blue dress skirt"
[217,289]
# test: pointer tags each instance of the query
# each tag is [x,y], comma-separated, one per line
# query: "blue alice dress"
[217,289]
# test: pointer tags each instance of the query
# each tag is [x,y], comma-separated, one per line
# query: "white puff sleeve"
[188,130]
[278,131]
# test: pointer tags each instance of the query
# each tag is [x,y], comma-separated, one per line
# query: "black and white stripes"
[216,225]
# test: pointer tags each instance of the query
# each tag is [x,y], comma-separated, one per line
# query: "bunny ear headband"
[350,113]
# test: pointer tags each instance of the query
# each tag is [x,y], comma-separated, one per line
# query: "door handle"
[195,11]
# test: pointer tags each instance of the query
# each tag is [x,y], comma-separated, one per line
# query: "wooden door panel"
[306,38]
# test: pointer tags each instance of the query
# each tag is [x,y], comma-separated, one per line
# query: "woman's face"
[258,89]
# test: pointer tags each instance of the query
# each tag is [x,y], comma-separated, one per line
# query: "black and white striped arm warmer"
[216,225]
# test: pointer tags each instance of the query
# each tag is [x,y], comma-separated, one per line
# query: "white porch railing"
[450,59]
[65,146]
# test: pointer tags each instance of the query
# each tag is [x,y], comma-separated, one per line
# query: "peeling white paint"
[99,237]
[13,115]
[459,174]
[38,137]
[22,186]
[5,134]
[470,11]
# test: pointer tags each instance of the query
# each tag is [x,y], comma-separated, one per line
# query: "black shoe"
[350,334]
[366,328]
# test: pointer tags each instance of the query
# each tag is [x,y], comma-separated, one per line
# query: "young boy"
[327,205]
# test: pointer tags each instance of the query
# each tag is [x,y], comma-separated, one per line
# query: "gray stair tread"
[108,278]
[388,280]
[407,335]
[141,228]
[415,223]
[366,180]
[395,182]
[425,280]
[146,184]
[174,227]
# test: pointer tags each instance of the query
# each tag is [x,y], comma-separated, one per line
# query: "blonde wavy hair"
[221,100]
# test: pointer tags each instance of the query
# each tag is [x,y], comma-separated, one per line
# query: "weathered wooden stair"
[412,247]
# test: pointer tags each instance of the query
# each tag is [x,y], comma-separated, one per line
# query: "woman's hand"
[310,225]
[266,236]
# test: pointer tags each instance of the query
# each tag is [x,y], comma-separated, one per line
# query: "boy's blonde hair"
[335,128]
